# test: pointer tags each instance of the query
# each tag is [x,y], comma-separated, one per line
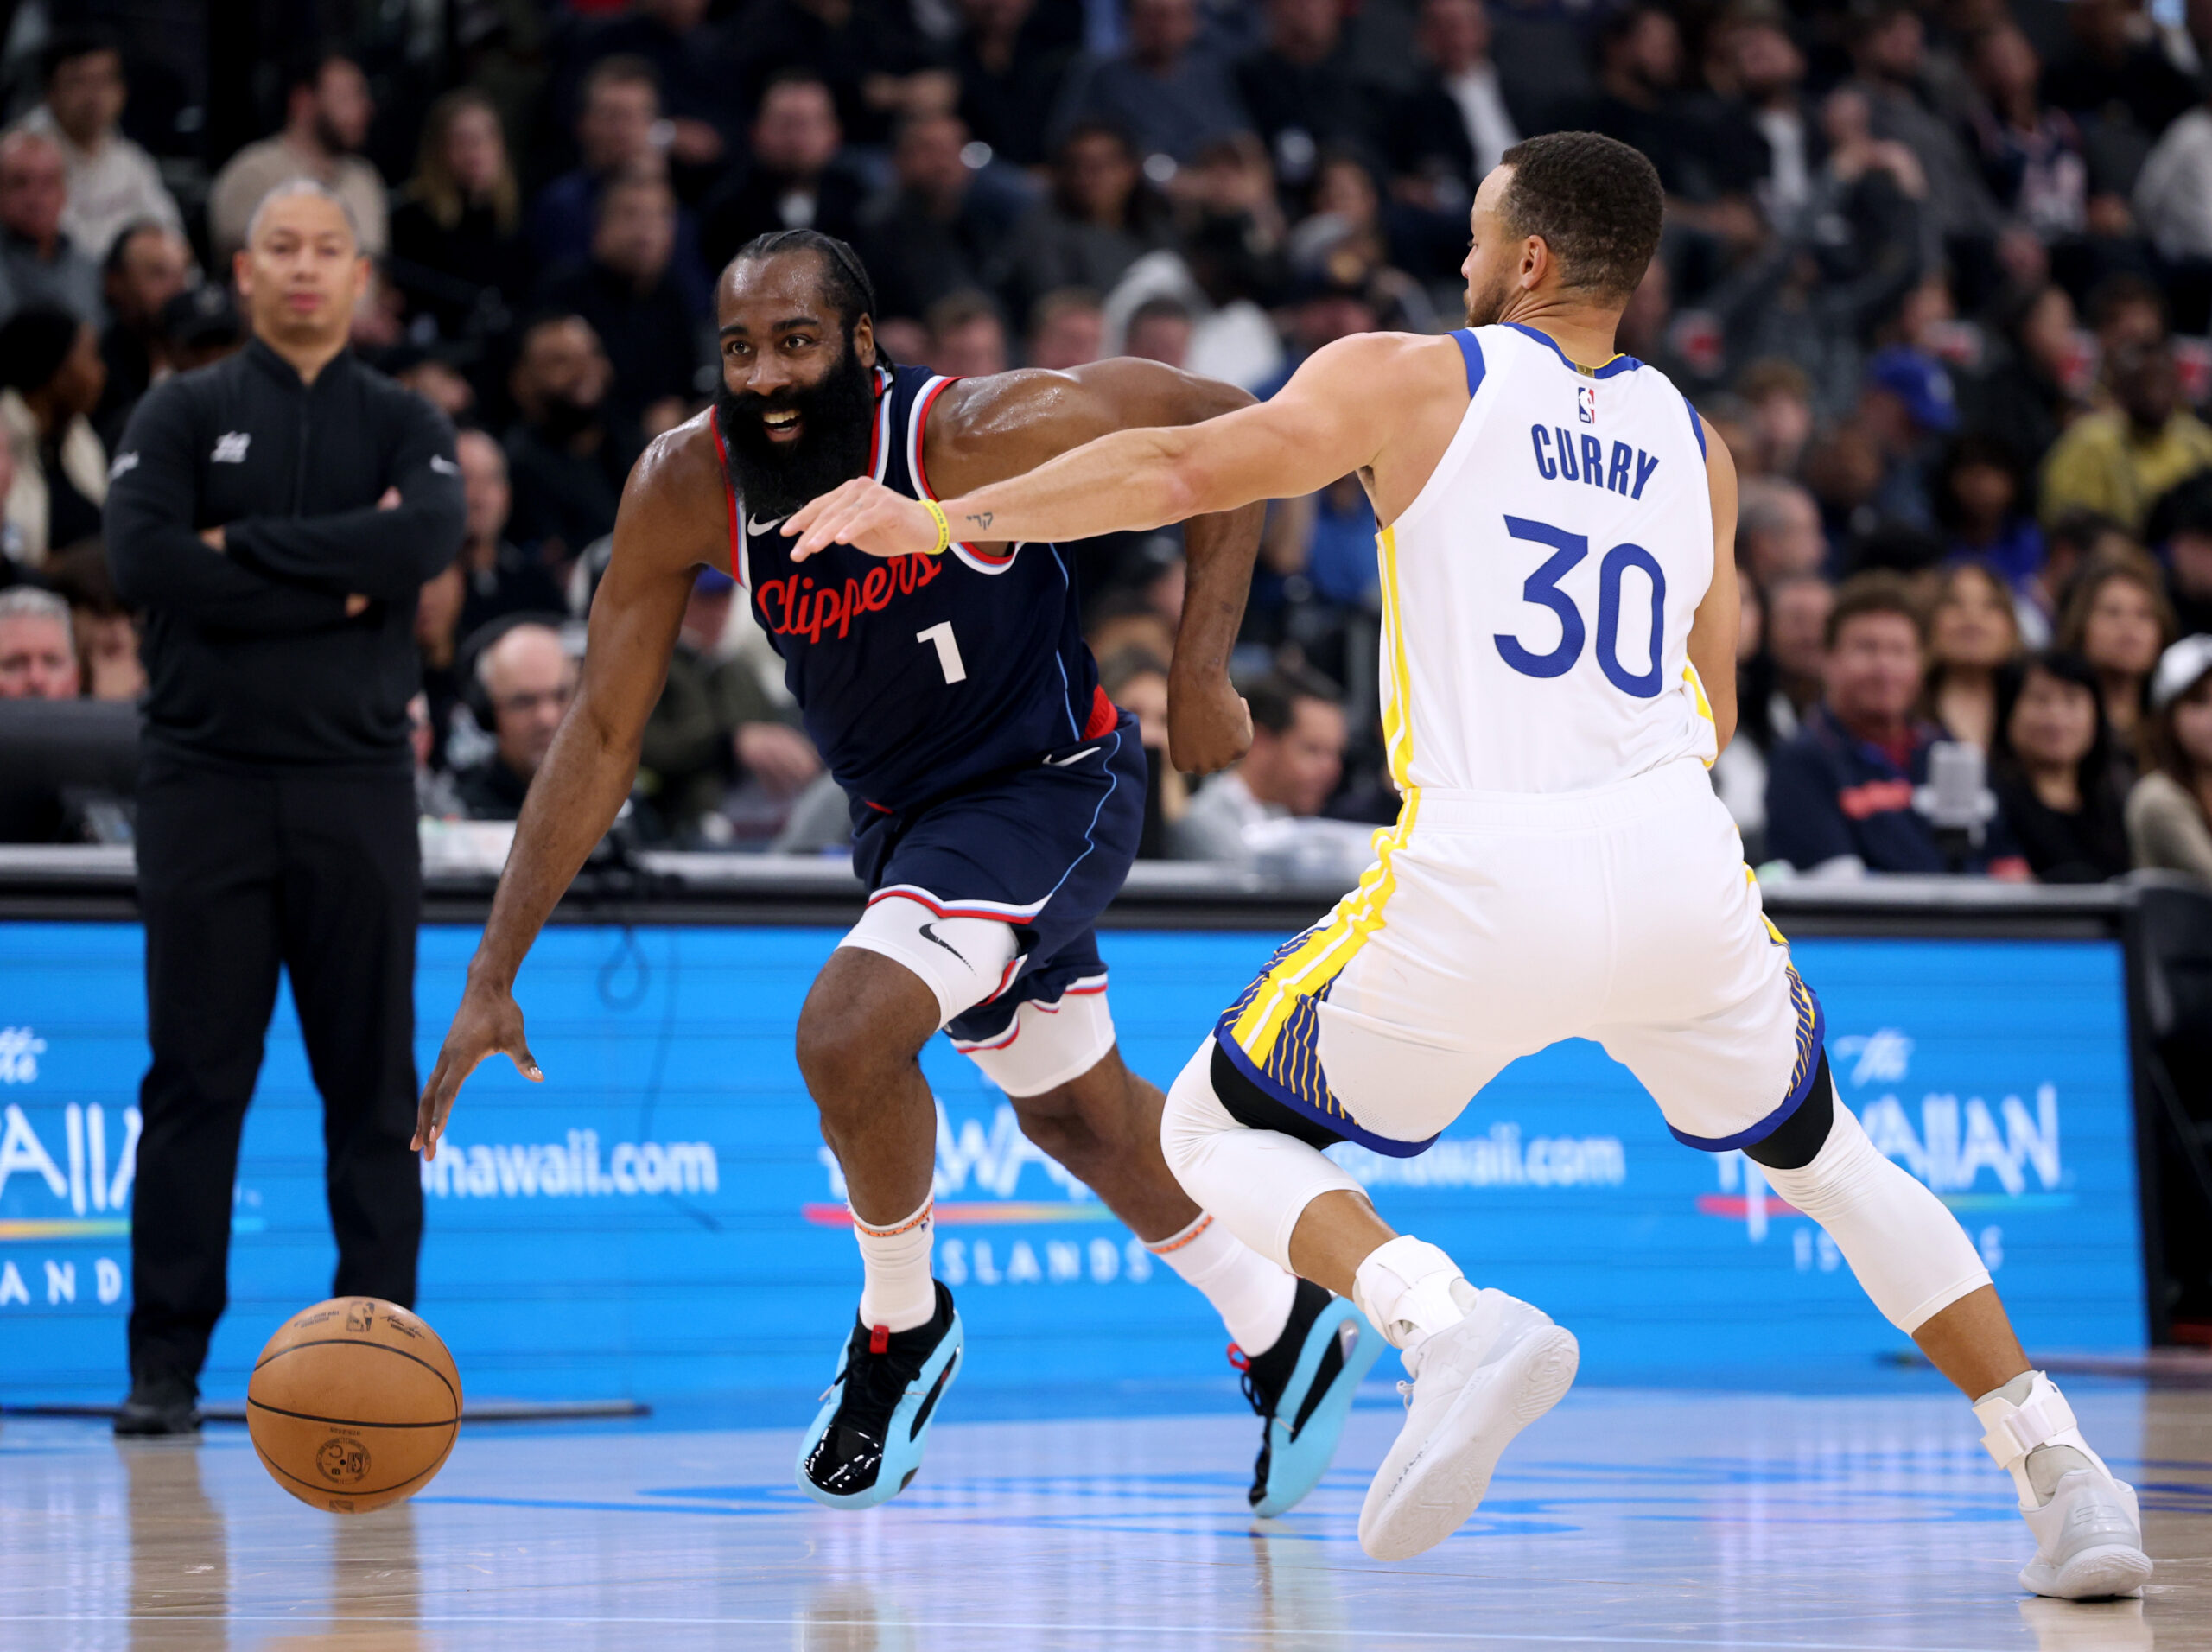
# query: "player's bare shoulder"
[675,503]
[982,430]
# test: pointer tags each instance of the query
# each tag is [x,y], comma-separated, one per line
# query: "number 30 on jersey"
[1541,588]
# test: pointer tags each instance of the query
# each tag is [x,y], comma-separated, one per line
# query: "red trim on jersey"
[939,910]
[878,807]
[729,497]
[921,475]
[1103,715]
[875,421]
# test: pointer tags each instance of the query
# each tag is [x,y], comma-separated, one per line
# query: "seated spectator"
[111,181]
[496,578]
[967,336]
[457,249]
[2118,620]
[327,114]
[1167,92]
[1639,71]
[1099,219]
[2030,153]
[435,798]
[1783,680]
[201,326]
[2116,73]
[1889,53]
[934,231]
[2181,527]
[1013,58]
[101,625]
[794,180]
[569,452]
[1067,329]
[1779,395]
[527,679]
[2173,192]
[50,381]
[629,294]
[2118,461]
[692,69]
[1768,70]
[1301,92]
[1839,793]
[2051,765]
[1777,531]
[1981,502]
[1973,635]
[38,263]
[147,266]
[714,728]
[868,53]
[2125,311]
[432,376]
[1159,330]
[1137,682]
[1907,408]
[2169,809]
[1296,759]
[2026,393]
[620,106]
[1446,134]
[38,652]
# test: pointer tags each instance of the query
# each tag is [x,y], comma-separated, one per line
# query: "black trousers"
[238,873]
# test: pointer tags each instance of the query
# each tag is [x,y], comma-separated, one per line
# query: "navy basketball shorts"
[989,894]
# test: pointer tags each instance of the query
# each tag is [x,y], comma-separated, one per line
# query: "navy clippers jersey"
[917,675]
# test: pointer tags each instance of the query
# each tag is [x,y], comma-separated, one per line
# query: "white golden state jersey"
[1537,595]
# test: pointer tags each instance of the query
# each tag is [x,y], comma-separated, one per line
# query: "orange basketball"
[353,1404]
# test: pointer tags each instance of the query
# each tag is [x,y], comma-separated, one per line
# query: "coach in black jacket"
[275,516]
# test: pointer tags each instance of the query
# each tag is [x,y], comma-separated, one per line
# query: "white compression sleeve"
[1256,1182]
[1908,1253]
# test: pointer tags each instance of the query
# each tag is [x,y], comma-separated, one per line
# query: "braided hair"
[845,278]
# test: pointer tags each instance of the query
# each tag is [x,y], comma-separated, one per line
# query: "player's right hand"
[488,1022]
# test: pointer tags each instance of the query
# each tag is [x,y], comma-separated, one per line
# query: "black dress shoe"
[157,1409]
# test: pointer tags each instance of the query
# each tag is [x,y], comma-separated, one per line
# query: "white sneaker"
[2088,1528]
[1476,1385]
[2088,1539]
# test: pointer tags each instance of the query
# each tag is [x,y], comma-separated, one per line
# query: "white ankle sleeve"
[1404,1287]
[2013,1430]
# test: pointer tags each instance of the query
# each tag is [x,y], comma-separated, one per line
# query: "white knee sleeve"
[1256,1183]
[1908,1253]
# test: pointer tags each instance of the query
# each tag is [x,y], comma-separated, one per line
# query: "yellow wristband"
[944,527]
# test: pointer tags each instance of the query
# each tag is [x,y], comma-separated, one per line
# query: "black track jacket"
[250,656]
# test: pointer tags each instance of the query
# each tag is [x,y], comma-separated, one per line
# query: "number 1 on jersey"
[948,651]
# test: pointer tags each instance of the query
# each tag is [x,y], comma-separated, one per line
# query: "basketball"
[353,1404]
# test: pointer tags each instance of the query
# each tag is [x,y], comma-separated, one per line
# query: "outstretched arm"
[669,523]
[1332,418]
[1012,422]
[1712,629]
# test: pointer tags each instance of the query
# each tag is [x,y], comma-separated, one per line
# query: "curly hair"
[1596,202]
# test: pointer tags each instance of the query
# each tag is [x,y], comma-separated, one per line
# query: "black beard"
[774,479]
[1484,309]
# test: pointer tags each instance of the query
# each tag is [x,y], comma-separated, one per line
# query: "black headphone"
[468,659]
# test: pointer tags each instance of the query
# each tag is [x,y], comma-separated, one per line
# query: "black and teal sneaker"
[866,1444]
[1302,1387]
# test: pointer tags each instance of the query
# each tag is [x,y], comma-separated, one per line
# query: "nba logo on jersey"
[1585,402]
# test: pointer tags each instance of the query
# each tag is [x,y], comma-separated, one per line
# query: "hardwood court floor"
[1633,1519]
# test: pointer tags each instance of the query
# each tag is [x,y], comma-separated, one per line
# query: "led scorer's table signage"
[660,1217]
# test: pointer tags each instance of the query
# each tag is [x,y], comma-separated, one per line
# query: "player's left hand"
[1209,725]
[866,515]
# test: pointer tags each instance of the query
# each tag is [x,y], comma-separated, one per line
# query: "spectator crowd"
[1940,274]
